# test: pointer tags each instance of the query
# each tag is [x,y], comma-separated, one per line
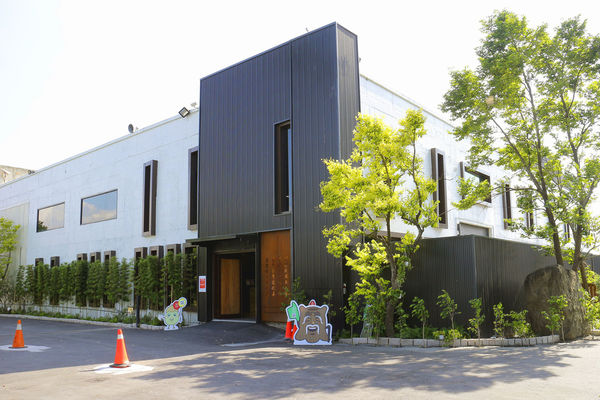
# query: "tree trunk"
[555,238]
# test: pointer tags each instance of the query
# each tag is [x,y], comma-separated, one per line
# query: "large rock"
[553,281]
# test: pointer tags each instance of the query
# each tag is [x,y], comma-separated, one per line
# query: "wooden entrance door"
[275,274]
[229,277]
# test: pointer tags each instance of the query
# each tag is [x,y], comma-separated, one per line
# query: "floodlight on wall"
[132,128]
[184,112]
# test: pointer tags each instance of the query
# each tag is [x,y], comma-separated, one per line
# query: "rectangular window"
[108,255]
[193,189]
[52,217]
[95,256]
[149,206]
[157,251]
[283,167]
[478,176]
[566,232]
[54,261]
[82,257]
[140,252]
[39,261]
[438,174]
[101,207]
[529,220]
[506,206]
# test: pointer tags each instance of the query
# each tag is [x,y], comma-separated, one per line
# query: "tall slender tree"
[531,107]
[382,181]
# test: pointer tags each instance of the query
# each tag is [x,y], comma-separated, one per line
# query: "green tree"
[556,314]
[419,311]
[381,181]
[499,320]
[8,242]
[531,108]
[448,306]
[477,320]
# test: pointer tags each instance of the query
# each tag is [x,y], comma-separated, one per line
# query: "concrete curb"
[88,322]
[397,342]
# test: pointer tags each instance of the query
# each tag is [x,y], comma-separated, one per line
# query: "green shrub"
[556,314]
[519,324]
[477,320]
[419,311]
[499,320]
[448,306]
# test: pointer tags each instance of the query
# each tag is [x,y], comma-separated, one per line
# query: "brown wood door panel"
[230,286]
[275,274]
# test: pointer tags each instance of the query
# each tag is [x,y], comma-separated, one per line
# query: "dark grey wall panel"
[349,87]
[501,268]
[239,107]
[443,263]
[315,134]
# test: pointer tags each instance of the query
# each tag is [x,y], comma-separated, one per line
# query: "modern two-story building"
[238,179]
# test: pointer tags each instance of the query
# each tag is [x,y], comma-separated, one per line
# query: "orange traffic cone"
[288,330]
[121,359]
[18,342]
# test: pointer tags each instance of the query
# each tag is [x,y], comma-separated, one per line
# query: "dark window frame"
[37,229]
[438,174]
[477,174]
[529,220]
[506,206]
[96,195]
[38,261]
[95,256]
[193,168]
[282,168]
[82,257]
[150,172]
[54,261]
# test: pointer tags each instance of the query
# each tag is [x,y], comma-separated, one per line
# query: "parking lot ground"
[194,362]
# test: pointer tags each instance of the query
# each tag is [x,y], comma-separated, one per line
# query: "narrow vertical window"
[283,167]
[506,206]
[193,189]
[149,208]
[566,232]
[529,220]
[438,170]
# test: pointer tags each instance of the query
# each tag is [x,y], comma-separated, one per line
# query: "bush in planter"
[448,306]
[477,320]
[520,326]
[419,311]
[499,320]
[556,314]
[80,271]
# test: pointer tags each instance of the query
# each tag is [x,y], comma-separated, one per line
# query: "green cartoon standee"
[173,314]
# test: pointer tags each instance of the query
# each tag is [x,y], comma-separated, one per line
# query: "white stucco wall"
[391,107]
[114,165]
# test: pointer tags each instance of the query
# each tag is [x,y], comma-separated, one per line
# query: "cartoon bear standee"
[313,327]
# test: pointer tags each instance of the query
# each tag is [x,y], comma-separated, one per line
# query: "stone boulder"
[540,285]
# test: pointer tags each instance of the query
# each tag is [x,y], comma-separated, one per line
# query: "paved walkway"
[194,362]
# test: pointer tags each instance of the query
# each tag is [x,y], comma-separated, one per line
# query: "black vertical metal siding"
[325,101]
[239,107]
[349,88]
[502,267]
[443,263]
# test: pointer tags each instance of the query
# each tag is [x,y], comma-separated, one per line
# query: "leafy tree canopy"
[8,242]
[531,107]
[381,181]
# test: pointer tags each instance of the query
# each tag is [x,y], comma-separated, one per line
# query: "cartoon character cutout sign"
[311,323]
[172,315]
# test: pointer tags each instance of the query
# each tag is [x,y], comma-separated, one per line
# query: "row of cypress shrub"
[156,281]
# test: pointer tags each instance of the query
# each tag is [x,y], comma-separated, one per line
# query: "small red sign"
[202,284]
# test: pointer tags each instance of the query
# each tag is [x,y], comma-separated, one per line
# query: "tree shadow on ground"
[258,373]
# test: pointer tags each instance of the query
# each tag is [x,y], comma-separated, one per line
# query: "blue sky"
[74,74]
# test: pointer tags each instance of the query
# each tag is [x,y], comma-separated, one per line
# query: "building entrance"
[235,287]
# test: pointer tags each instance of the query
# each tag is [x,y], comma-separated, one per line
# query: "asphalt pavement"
[251,361]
